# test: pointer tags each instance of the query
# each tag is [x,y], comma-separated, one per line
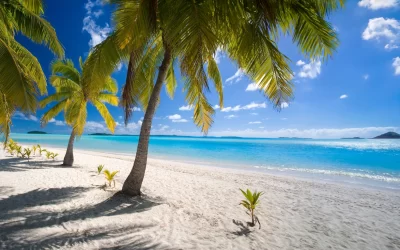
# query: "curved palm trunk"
[134,181]
[69,155]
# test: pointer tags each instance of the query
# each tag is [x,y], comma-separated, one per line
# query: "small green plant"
[99,169]
[53,156]
[18,149]
[34,148]
[28,152]
[42,150]
[110,176]
[250,203]
[48,154]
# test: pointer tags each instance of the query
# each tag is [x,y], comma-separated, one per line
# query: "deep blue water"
[375,162]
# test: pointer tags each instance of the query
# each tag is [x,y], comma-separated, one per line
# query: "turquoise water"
[369,162]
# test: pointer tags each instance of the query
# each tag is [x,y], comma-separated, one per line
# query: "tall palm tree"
[21,76]
[72,96]
[155,40]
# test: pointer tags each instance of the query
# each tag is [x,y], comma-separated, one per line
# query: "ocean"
[368,162]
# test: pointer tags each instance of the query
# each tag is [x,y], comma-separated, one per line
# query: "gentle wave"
[334,172]
[364,144]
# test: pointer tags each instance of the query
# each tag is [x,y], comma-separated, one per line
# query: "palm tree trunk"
[69,155]
[134,181]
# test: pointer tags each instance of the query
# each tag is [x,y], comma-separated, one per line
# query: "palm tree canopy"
[21,76]
[72,95]
[247,30]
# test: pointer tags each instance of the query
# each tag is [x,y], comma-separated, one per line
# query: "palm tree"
[155,40]
[72,96]
[21,76]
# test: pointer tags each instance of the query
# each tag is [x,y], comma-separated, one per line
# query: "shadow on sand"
[22,212]
[15,164]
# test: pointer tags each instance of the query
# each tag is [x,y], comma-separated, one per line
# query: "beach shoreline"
[184,207]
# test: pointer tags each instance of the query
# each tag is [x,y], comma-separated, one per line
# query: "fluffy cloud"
[236,77]
[230,116]
[300,63]
[96,32]
[378,4]
[216,106]
[383,30]
[218,55]
[310,70]
[366,76]
[253,113]
[284,105]
[343,96]
[252,105]
[135,109]
[186,108]
[21,116]
[252,87]
[396,65]
[256,122]
[56,122]
[176,118]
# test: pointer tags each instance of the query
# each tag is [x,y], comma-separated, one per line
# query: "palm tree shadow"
[22,212]
[15,164]
[243,229]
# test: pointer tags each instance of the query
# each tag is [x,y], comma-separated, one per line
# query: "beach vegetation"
[34,148]
[53,156]
[21,76]
[73,94]
[48,154]
[156,41]
[99,169]
[110,176]
[252,199]
[42,150]
[27,152]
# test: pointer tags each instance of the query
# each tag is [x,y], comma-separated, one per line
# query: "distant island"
[37,132]
[388,135]
[100,134]
[353,138]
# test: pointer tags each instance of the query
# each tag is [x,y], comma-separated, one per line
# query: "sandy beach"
[46,206]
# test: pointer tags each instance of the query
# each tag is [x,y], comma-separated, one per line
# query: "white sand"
[46,206]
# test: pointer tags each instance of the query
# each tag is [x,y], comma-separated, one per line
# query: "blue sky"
[354,93]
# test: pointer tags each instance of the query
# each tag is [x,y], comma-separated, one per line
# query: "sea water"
[369,162]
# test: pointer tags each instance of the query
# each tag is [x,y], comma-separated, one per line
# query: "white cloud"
[366,76]
[236,77]
[176,118]
[253,113]
[343,96]
[391,46]
[252,105]
[310,70]
[383,30]
[21,116]
[252,87]
[300,63]
[284,105]
[256,122]
[96,32]
[130,128]
[56,122]
[230,116]
[186,108]
[216,106]
[95,127]
[284,119]
[396,65]
[218,55]
[261,127]
[378,4]
[135,109]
